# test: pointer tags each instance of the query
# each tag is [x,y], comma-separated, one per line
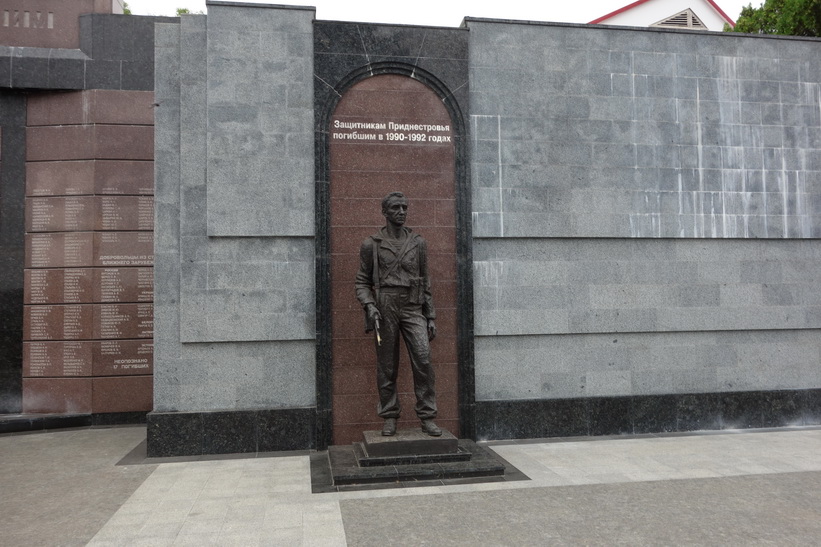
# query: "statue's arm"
[364,286]
[364,277]
[428,309]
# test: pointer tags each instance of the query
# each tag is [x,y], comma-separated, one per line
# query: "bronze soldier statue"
[394,289]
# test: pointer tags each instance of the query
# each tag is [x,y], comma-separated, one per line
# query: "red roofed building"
[690,14]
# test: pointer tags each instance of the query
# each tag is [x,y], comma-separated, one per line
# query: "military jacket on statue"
[386,262]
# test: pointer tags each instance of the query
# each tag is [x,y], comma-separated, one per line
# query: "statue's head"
[387,199]
[395,208]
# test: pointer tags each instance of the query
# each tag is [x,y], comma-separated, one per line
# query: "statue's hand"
[373,313]
[431,329]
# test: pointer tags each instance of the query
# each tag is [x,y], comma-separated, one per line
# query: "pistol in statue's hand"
[373,314]
[431,329]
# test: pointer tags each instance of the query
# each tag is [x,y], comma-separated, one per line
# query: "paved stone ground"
[60,488]
[727,488]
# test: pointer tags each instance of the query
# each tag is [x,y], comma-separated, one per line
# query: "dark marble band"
[226,432]
[18,423]
[646,414]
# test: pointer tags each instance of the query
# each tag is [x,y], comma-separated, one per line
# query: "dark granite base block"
[370,461]
[346,471]
[408,442]
[227,432]
[646,414]
[118,418]
[17,423]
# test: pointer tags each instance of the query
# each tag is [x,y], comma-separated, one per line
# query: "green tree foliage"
[790,17]
[186,11]
[126,9]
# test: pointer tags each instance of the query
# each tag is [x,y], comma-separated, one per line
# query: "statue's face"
[396,211]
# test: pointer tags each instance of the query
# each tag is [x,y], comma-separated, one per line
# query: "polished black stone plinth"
[346,469]
[16,423]
[408,441]
[408,447]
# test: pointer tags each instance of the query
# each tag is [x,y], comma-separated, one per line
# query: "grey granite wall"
[234,271]
[260,121]
[606,132]
[605,161]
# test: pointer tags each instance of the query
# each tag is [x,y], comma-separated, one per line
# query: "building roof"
[638,3]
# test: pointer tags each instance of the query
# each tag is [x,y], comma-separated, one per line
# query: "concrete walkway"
[727,488]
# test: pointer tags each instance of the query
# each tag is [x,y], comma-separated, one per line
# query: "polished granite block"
[54,250]
[102,177]
[50,322]
[123,284]
[57,395]
[174,434]
[345,469]
[60,214]
[119,321]
[124,213]
[58,286]
[118,418]
[641,414]
[94,106]
[229,432]
[365,460]
[50,359]
[784,409]
[239,431]
[16,423]
[285,429]
[610,416]
[122,357]
[123,249]
[654,414]
[122,394]
[408,442]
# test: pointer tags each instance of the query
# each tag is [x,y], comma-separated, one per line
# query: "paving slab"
[95,487]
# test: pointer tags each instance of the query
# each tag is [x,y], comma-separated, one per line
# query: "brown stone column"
[88,318]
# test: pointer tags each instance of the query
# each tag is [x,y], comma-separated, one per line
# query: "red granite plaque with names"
[59,178]
[88,278]
[54,250]
[124,285]
[123,357]
[118,321]
[112,177]
[123,249]
[60,214]
[125,213]
[58,286]
[105,177]
[55,359]
[49,322]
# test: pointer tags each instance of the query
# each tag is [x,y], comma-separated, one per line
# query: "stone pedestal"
[407,447]
[410,455]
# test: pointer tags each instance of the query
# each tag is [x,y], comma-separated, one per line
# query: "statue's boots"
[389,427]
[430,428]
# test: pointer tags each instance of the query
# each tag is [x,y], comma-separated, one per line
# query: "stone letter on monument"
[394,289]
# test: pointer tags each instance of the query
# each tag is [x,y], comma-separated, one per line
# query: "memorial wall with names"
[88,279]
